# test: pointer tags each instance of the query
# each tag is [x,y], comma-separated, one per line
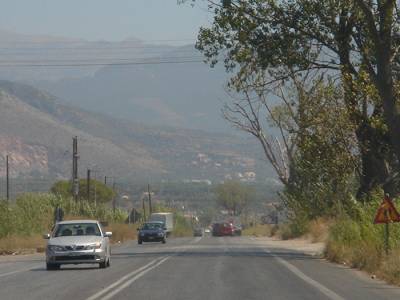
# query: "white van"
[166,217]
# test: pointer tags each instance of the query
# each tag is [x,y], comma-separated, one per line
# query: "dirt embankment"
[301,244]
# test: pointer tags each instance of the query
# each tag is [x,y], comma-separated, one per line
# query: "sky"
[111,20]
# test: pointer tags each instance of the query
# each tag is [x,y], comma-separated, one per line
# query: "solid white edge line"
[130,281]
[323,289]
[122,279]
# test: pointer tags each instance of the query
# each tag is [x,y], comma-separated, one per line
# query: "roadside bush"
[183,227]
[103,192]
[390,268]
[318,230]
[122,232]
[258,230]
[33,213]
[359,243]
[297,226]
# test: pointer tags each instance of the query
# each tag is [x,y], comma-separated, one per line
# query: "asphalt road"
[192,268]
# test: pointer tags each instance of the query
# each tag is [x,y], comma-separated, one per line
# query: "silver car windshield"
[77,229]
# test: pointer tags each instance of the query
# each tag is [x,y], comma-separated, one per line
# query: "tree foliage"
[234,196]
[98,191]
[325,74]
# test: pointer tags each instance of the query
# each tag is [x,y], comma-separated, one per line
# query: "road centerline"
[124,278]
[132,280]
[127,280]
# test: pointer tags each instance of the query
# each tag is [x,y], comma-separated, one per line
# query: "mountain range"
[37,130]
[148,116]
[151,83]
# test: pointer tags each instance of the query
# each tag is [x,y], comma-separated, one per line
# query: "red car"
[223,229]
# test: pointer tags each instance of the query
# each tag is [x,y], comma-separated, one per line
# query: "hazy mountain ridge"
[39,123]
[187,95]
[181,95]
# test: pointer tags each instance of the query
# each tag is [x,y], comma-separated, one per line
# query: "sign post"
[387,214]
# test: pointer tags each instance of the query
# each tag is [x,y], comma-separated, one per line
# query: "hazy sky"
[104,19]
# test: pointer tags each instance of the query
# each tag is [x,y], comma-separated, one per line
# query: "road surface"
[192,268]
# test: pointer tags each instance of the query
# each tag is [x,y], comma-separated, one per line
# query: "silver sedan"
[78,242]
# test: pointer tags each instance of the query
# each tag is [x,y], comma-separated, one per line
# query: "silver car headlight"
[55,248]
[160,234]
[93,246]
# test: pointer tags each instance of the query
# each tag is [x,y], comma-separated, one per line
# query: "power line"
[101,64]
[55,41]
[65,46]
[20,52]
[96,60]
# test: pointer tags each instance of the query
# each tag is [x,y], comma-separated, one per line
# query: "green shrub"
[33,213]
[182,227]
[360,243]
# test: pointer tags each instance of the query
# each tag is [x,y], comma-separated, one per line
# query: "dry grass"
[36,243]
[364,257]
[182,231]
[122,232]
[360,245]
[390,268]
[22,244]
[318,230]
[259,230]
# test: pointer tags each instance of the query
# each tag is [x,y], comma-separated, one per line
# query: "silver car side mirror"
[108,234]
[46,236]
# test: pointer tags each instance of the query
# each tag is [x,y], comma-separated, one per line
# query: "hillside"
[37,131]
[187,95]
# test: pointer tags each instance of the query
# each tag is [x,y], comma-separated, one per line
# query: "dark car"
[223,229]
[152,232]
[197,231]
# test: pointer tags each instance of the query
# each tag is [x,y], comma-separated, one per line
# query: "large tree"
[355,40]
[99,192]
[234,196]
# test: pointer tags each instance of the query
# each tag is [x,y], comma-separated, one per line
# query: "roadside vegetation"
[317,84]
[183,227]
[23,223]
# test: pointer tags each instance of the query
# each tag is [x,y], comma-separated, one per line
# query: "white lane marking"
[19,271]
[141,274]
[125,281]
[323,289]
[14,272]
[122,279]
[196,240]
[130,281]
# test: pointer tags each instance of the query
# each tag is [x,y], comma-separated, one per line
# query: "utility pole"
[95,186]
[75,180]
[88,185]
[105,180]
[150,206]
[7,180]
[114,198]
[144,209]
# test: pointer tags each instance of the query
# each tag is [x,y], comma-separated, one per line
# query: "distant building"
[203,181]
